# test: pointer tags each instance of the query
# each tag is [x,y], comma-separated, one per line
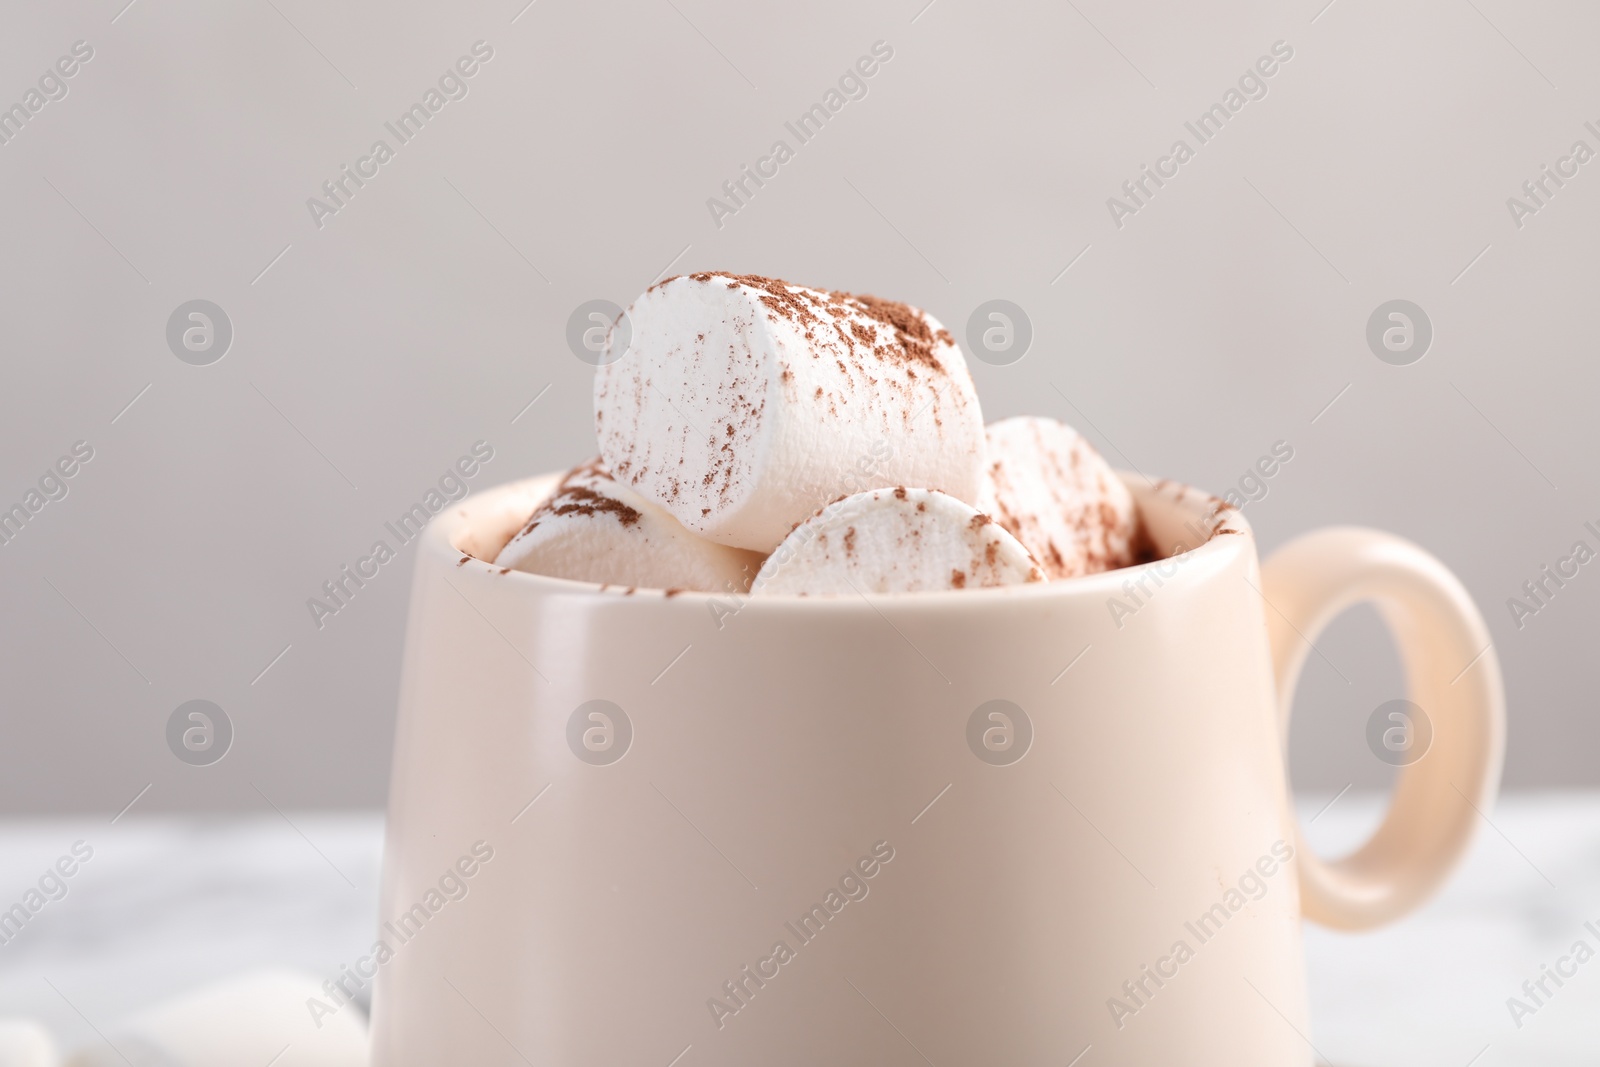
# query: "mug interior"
[1174,520]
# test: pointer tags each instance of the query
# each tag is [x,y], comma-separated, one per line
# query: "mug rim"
[1183,505]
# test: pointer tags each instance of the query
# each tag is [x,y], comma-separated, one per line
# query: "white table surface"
[167,904]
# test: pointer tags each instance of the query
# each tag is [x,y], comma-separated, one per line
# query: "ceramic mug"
[1012,826]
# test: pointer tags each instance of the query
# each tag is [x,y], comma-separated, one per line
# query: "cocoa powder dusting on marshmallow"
[585,502]
[914,338]
[574,496]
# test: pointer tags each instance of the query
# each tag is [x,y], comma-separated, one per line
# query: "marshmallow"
[24,1043]
[593,530]
[255,1019]
[1048,486]
[743,404]
[895,541]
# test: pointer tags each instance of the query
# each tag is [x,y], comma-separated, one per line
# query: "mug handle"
[1452,673]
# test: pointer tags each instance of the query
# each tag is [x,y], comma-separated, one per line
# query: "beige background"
[1225,316]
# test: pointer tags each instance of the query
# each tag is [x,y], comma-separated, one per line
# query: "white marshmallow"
[1048,486]
[593,530]
[743,404]
[895,541]
[243,1022]
[24,1043]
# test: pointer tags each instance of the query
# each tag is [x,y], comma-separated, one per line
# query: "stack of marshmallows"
[765,437]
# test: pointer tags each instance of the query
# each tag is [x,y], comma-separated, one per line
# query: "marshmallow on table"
[743,404]
[593,530]
[24,1043]
[895,541]
[1048,486]
[249,1021]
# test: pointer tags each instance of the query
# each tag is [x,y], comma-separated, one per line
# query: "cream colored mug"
[1044,824]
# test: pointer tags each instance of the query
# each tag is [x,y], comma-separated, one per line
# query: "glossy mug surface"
[986,826]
